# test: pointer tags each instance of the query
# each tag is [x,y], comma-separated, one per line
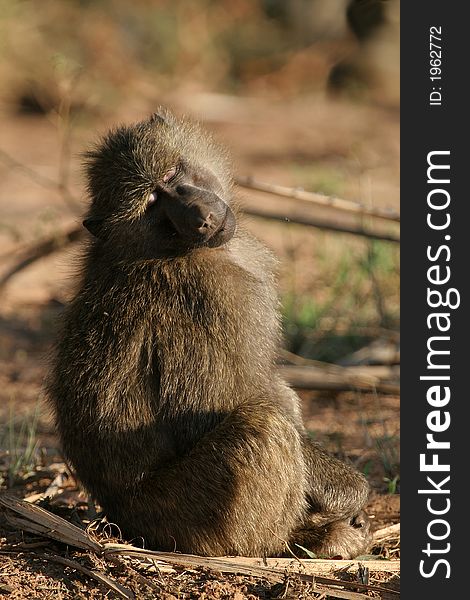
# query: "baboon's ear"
[158,117]
[95,226]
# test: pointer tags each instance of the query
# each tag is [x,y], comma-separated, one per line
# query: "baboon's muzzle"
[199,216]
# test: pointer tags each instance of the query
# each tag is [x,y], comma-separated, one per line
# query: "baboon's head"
[160,187]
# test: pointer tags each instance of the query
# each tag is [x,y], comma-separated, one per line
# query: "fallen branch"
[318,199]
[378,352]
[301,219]
[369,371]
[387,533]
[349,378]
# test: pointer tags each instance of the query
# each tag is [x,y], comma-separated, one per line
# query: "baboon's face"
[160,187]
[187,210]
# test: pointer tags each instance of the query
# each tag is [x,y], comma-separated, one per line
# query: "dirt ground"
[272,140]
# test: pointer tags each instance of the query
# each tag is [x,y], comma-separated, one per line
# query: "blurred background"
[305,94]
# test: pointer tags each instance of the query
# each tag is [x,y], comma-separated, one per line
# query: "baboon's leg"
[335,523]
[240,490]
[335,490]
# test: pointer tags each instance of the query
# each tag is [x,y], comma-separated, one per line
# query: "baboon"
[164,385]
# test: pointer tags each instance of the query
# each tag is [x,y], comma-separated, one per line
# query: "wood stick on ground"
[316,566]
[252,567]
[378,352]
[318,199]
[40,521]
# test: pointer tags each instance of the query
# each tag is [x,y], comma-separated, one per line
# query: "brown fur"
[164,383]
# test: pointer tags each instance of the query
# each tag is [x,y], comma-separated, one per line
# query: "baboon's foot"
[346,538]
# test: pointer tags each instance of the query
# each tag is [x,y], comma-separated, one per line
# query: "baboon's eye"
[170,174]
[152,199]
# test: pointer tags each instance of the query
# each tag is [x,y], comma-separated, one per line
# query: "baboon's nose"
[209,223]
[196,213]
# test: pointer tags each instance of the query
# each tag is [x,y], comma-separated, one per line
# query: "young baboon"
[164,385]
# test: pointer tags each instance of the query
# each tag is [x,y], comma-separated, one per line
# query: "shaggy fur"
[164,385]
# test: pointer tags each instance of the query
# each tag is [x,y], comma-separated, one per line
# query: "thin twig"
[46,182]
[42,249]
[65,132]
[33,175]
[319,199]
[116,587]
[288,548]
[118,561]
